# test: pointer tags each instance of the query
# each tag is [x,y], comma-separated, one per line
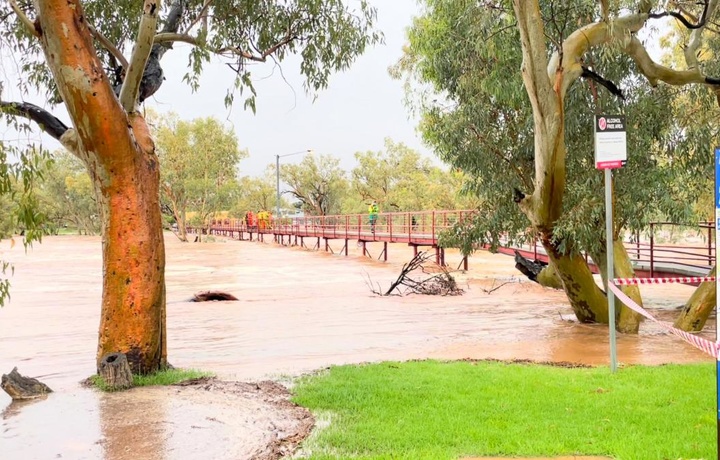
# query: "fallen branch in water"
[442,283]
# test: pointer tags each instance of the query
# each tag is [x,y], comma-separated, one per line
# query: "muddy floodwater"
[299,310]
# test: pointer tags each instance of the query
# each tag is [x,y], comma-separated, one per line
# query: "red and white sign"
[610,142]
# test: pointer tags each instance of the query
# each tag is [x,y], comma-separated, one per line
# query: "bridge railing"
[665,242]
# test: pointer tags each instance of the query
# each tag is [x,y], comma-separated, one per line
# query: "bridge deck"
[424,228]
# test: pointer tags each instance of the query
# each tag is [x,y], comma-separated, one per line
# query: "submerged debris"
[209,296]
[442,283]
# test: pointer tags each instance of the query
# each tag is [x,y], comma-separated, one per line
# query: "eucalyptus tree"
[199,161]
[400,179]
[507,92]
[318,183]
[101,59]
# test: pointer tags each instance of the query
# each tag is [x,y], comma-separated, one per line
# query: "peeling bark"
[119,154]
[696,311]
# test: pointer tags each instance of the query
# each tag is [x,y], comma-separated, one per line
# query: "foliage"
[476,115]
[326,34]
[401,180]
[67,196]
[435,410]
[20,173]
[258,194]
[161,378]
[198,167]
[317,182]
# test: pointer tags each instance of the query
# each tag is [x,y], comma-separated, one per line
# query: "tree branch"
[29,25]
[108,46]
[141,52]
[680,17]
[610,86]
[605,10]
[199,16]
[165,37]
[655,72]
[46,120]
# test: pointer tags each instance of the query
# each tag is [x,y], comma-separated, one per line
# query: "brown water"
[299,311]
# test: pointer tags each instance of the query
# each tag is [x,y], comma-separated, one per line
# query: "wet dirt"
[298,311]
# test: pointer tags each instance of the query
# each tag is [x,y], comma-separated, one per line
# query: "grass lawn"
[166,377]
[439,410]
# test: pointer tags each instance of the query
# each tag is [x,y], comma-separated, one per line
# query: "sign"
[610,142]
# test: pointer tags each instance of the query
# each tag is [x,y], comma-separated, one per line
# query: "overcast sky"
[359,109]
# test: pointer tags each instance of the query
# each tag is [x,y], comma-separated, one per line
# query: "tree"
[516,154]
[317,182]
[74,52]
[67,197]
[199,161]
[257,193]
[401,180]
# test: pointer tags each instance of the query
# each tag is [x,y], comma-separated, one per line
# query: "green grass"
[435,410]
[166,377]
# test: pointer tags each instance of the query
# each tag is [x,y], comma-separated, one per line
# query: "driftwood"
[209,296]
[442,283]
[21,388]
[115,371]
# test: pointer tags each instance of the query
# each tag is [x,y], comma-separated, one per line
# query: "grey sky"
[361,107]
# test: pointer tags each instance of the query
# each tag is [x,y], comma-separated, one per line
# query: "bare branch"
[108,46]
[29,25]
[46,120]
[680,16]
[141,53]
[655,72]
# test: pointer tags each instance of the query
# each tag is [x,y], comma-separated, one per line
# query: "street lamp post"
[277,177]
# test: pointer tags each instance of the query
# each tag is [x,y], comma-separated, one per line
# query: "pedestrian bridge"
[666,249]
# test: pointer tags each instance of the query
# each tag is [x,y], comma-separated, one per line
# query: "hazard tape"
[686,279]
[711,348]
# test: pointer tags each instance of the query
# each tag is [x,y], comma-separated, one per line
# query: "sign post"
[610,153]
[717,285]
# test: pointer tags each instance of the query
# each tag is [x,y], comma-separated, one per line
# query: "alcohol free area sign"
[610,142]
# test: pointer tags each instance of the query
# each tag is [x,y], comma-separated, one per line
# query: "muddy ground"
[298,311]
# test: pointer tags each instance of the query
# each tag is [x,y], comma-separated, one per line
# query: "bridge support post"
[346,247]
[385,251]
[437,255]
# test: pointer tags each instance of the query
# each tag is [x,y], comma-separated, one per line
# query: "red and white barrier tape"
[686,279]
[705,345]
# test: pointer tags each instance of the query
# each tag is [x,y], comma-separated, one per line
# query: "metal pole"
[610,266]
[277,186]
[717,288]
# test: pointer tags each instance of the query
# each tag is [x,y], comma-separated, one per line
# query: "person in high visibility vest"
[373,212]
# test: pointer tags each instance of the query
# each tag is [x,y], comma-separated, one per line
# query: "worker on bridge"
[373,212]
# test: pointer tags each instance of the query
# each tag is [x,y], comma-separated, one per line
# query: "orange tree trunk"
[133,302]
[119,154]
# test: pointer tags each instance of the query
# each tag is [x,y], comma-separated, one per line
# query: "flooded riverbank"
[298,311]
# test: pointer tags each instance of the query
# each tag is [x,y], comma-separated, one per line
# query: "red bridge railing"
[664,245]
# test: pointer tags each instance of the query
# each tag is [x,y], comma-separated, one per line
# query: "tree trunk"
[586,299]
[626,319]
[698,308]
[133,305]
[118,152]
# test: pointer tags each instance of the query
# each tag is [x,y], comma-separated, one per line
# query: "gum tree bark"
[547,82]
[698,308]
[117,149]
